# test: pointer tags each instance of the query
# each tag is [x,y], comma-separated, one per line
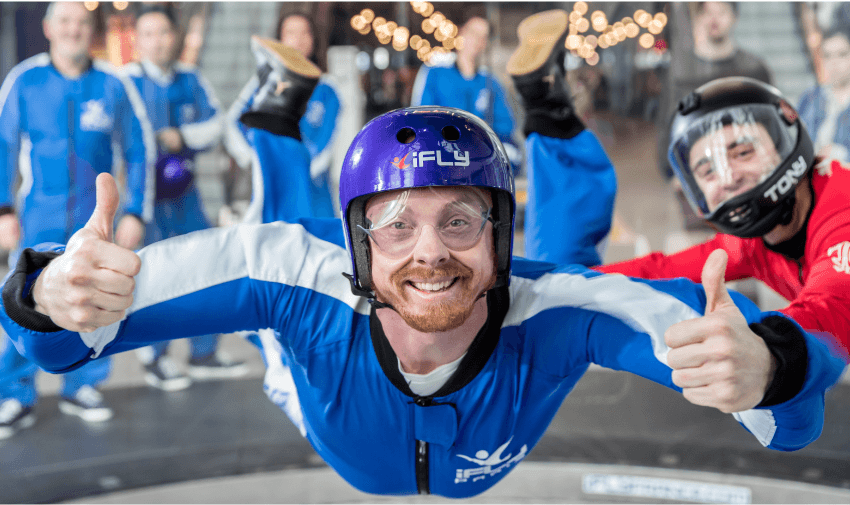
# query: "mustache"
[452,269]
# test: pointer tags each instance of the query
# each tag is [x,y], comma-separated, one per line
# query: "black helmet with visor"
[739,150]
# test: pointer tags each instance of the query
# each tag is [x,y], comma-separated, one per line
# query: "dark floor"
[230,428]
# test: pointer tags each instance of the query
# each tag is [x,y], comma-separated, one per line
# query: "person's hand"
[90,285]
[130,232]
[716,359]
[10,231]
[170,139]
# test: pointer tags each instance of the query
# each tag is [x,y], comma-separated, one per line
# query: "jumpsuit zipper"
[423,485]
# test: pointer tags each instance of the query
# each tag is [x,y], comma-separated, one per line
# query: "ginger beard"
[442,315]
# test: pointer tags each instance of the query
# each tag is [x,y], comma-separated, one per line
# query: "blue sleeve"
[632,339]
[136,138]
[206,131]
[218,280]
[10,133]
[324,124]
[235,134]
[572,186]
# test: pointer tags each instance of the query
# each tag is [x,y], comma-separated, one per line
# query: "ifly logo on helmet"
[461,159]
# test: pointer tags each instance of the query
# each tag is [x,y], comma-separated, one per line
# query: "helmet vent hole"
[406,135]
[450,133]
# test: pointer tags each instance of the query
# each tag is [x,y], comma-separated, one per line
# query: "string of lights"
[445,32]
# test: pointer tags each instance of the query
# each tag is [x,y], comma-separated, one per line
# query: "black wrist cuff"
[551,123]
[788,345]
[6,209]
[20,306]
[272,123]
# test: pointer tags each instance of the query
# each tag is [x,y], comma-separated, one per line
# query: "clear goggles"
[729,152]
[458,217]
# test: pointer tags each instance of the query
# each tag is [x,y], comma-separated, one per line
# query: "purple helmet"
[420,147]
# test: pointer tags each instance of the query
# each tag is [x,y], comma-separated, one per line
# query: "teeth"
[427,286]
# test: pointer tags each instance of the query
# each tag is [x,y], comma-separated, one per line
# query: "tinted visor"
[727,153]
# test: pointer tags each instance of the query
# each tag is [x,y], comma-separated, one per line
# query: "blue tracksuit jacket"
[182,99]
[356,410]
[59,134]
[318,127]
[813,112]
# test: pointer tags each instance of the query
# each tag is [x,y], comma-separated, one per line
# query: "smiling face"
[732,160]
[432,287]
[69,27]
[156,39]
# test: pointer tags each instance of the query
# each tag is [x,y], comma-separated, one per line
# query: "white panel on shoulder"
[637,305]
[276,252]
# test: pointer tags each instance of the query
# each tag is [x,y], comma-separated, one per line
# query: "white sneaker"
[164,374]
[216,366]
[87,404]
[13,417]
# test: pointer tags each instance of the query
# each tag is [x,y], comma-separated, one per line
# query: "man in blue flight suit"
[186,119]
[468,86]
[284,194]
[435,363]
[60,115]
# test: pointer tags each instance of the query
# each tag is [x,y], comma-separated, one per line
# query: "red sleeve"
[824,302]
[688,263]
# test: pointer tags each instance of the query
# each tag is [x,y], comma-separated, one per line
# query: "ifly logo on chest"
[416,160]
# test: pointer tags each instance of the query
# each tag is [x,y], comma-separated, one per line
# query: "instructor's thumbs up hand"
[92,283]
[716,359]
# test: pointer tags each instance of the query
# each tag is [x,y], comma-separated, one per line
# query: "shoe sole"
[168,385]
[22,424]
[291,58]
[539,36]
[203,373]
[88,415]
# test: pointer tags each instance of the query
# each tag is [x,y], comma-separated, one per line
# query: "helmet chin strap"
[367,294]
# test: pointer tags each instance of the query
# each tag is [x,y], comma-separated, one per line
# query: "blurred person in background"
[825,108]
[470,87]
[748,167]
[572,183]
[710,53]
[285,194]
[186,118]
[60,115]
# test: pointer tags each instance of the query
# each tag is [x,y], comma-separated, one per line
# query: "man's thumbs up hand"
[716,359]
[91,284]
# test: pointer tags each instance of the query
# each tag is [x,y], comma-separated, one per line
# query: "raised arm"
[721,351]
[93,299]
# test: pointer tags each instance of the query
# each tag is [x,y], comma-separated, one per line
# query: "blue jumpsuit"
[482,95]
[183,99]
[287,194]
[59,133]
[354,406]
